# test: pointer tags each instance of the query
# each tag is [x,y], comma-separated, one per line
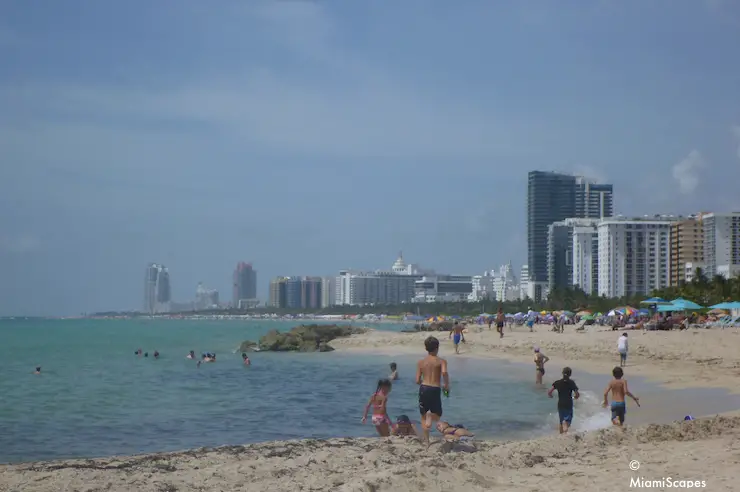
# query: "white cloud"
[736,133]
[687,171]
[593,173]
[21,243]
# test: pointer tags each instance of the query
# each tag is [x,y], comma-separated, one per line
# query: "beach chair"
[732,323]
[721,321]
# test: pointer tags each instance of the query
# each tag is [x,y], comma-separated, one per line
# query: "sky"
[313,136]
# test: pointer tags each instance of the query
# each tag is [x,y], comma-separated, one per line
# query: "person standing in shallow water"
[432,378]
[457,336]
[539,363]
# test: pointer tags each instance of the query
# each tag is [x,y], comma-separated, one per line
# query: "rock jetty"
[303,338]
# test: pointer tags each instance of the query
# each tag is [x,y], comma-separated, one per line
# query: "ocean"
[96,398]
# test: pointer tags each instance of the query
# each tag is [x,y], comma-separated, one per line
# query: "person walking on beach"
[457,335]
[379,401]
[431,373]
[539,363]
[531,318]
[567,391]
[619,389]
[622,347]
[500,319]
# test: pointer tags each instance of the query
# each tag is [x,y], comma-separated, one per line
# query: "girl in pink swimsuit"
[378,401]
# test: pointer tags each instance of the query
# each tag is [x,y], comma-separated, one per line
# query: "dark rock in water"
[436,326]
[248,346]
[304,338]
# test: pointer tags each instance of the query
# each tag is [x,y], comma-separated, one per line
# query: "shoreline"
[675,359]
[597,460]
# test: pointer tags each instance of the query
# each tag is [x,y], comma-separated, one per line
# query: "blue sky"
[312,136]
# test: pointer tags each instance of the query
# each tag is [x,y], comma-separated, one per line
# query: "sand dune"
[697,357]
[705,449]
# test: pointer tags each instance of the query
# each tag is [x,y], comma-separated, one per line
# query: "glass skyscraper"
[553,197]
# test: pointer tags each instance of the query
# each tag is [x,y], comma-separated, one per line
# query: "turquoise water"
[96,398]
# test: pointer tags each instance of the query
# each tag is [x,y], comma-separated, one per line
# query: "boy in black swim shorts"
[432,377]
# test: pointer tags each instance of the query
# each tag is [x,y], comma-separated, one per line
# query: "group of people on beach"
[434,381]
[568,390]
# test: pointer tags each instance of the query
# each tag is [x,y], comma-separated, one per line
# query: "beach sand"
[676,359]
[706,449]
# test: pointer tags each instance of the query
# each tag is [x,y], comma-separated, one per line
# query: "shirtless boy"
[430,372]
[457,335]
[619,389]
[539,363]
[394,372]
[500,319]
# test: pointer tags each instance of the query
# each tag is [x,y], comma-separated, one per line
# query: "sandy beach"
[702,450]
[706,449]
[676,359]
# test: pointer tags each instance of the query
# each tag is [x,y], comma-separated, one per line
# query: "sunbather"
[453,432]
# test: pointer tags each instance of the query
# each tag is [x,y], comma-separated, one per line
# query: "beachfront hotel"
[687,248]
[634,255]
[553,197]
[157,294]
[721,244]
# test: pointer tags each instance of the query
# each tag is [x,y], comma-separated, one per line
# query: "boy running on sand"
[567,390]
[430,372]
[619,389]
[378,401]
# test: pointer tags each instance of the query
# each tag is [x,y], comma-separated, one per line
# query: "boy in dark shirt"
[567,390]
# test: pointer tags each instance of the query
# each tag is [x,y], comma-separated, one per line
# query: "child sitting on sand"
[453,432]
[378,401]
[404,427]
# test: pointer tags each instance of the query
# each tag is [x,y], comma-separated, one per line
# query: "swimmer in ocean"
[156,354]
[246,360]
[191,355]
[38,370]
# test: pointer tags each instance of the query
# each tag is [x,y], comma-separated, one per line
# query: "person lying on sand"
[404,427]
[453,432]
[619,389]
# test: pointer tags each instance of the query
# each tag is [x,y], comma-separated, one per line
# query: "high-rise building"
[205,298]
[394,286]
[157,294]
[722,244]
[687,248]
[524,282]
[278,297]
[585,271]
[634,255]
[552,197]
[296,292]
[561,245]
[245,284]
[328,291]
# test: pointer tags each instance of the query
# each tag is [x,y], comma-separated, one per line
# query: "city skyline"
[312,136]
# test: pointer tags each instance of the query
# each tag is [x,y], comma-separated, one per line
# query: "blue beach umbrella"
[722,305]
[655,300]
[684,304]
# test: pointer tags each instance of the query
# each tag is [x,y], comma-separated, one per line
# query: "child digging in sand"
[404,427]
[379,401]
[619,389]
